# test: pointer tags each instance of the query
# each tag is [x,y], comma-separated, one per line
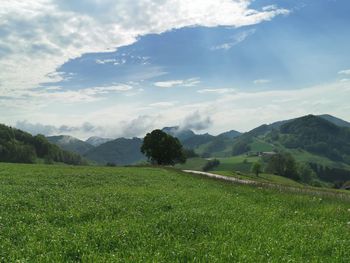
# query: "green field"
[100,214]
[240,163]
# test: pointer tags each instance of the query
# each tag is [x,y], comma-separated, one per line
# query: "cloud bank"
[37,36]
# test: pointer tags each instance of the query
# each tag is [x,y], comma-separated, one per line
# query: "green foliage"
[210,165]
[162,149]
[21,147]
[283,164]
[190,153]
[102,214]
[256,168]
[240,147]
[306,174]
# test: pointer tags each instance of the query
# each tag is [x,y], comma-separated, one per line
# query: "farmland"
[135,214]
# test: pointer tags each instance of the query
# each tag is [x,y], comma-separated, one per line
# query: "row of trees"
[284,164]
[21,147]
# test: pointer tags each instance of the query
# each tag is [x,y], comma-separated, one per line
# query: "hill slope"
[317,135]
[97,141]
[335,120]
[70,143]
[21,147]
[121,151]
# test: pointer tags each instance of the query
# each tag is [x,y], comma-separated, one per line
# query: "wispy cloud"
[235,40]
[344,72]
[261,81]
[218,91]
[163,104]
[197,121]
[178,83]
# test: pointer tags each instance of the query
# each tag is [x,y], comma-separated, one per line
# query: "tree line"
[20,147]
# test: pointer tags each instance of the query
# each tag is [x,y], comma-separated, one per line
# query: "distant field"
[100,214]
[240,163]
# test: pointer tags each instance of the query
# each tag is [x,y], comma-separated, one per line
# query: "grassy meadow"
[108,214]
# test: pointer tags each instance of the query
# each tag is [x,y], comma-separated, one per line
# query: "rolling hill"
[204,144]
[121,151]
[97,141]
[21,147]
[70,143]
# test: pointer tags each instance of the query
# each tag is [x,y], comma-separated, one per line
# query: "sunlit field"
[100,214]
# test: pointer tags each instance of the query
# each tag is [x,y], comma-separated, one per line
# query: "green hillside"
[121,151]
[21,147]
[101,214]
[70,143]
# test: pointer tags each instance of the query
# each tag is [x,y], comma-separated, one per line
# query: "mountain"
[97,141]
[314,134]
[187,137]
[317,135]
[181,134]
[70,143]
[204,144]
[335,120]
[230,134]
[121,151]
[330,118]
[21,147]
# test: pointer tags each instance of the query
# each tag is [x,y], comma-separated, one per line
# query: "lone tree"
[256,168]
[162,149]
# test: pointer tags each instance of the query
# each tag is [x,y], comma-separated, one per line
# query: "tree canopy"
[162,149]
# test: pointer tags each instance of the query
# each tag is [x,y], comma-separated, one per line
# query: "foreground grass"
[98,214]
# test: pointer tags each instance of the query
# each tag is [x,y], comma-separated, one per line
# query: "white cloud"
[163,104]
[344,72]
[218,91]
[238,110]
[261,81]
[178,83]
[235,40]
[40,35]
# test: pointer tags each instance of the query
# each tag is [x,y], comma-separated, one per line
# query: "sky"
[114,68]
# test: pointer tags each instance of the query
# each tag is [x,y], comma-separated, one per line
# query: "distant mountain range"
[70,143]
[317,139]
[97,141]
[121,151]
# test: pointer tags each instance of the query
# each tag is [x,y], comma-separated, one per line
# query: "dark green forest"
[21,147]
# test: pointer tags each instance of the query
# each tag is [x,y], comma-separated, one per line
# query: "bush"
[210,165]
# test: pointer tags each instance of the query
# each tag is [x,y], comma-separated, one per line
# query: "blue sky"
[213,66]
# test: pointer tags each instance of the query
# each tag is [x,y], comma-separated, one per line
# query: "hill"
[335,120]
[21,147]
[108,214]
[70,143]
[317,135]
[97,141]
[121,151]
[181,134]
[204,144]
[230,134]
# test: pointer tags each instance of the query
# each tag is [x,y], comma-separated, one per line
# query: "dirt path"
[280,187]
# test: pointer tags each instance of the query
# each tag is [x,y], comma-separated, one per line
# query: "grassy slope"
[236,167]
[99,214]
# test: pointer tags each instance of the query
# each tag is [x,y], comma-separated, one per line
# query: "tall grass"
[105,214]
